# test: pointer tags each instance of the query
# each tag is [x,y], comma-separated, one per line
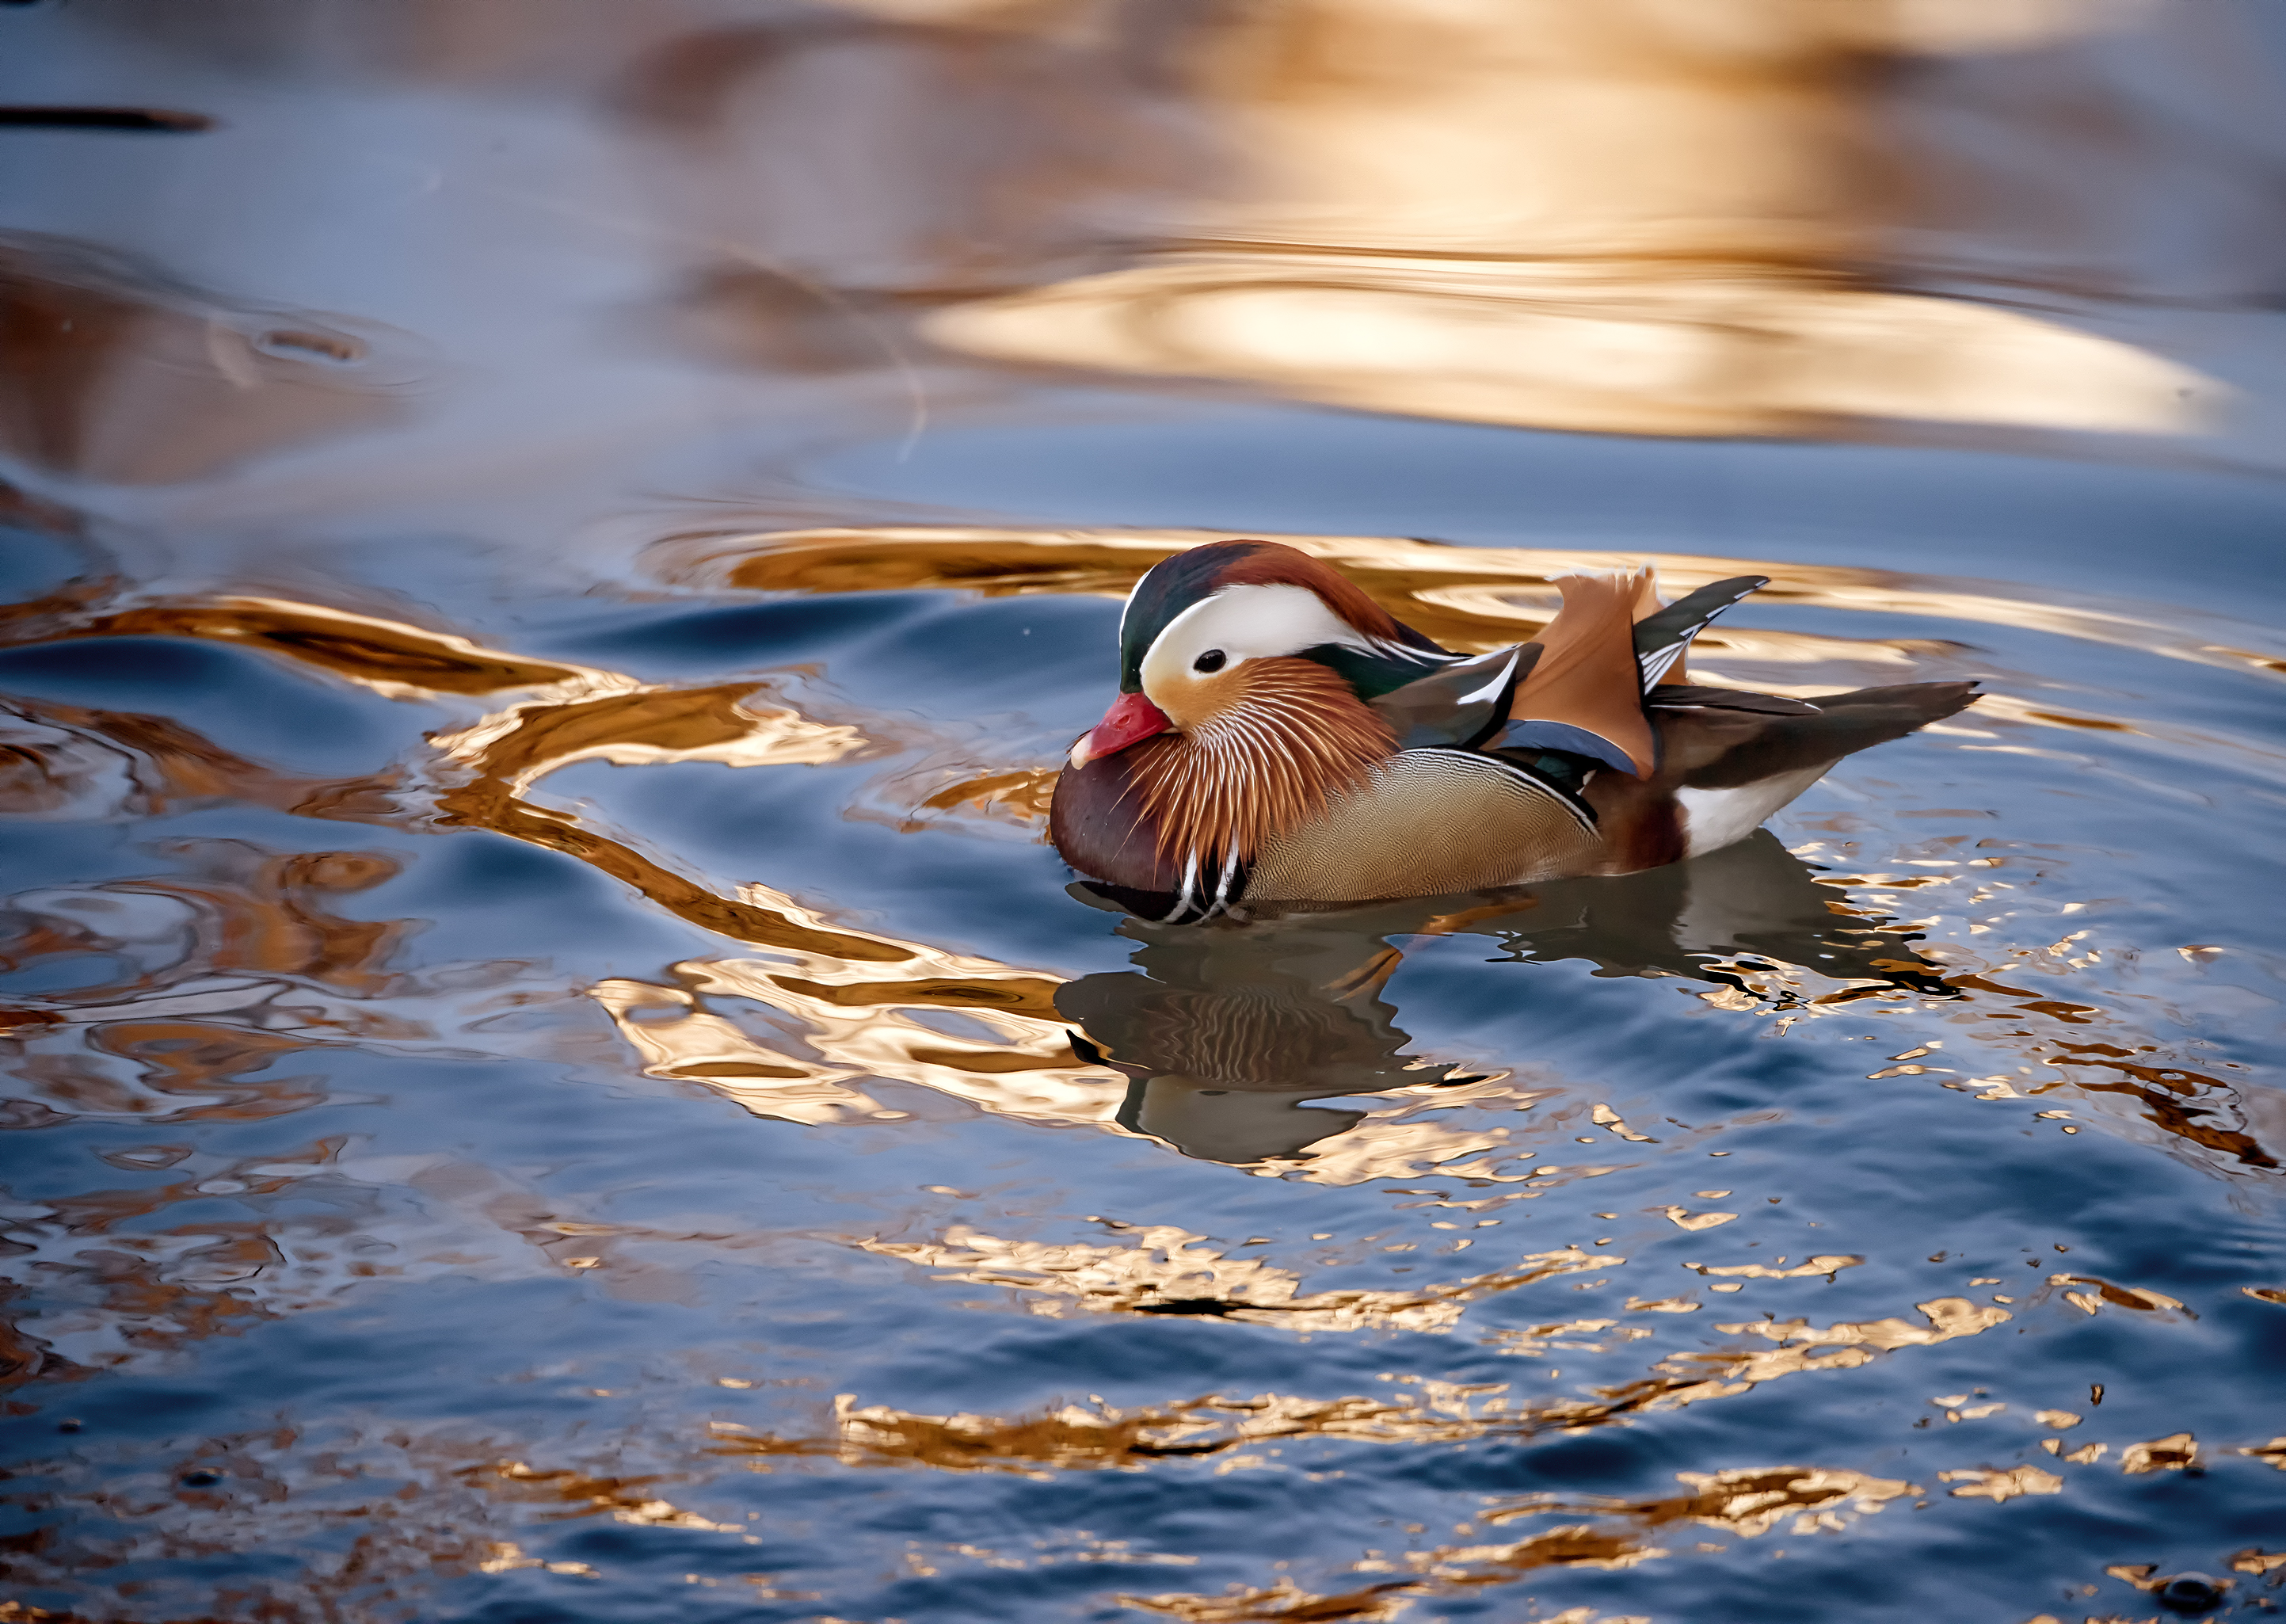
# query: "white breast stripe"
[1222,897]
[1190,883]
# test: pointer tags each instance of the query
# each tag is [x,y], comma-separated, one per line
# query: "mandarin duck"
[1280,738]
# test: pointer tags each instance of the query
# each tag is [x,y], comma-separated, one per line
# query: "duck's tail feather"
[1663,636]
[1587,676]
[1841,725]
[1673,695]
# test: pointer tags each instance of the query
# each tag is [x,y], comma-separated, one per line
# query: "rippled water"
[542,1021]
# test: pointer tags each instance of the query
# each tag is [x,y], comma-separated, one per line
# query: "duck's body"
[1281,739]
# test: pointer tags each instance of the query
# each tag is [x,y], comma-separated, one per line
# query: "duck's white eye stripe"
[1248,623]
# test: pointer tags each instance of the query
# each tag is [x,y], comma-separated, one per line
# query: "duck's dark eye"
[1211,660]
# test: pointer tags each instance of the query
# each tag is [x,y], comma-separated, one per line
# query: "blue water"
[539,1076]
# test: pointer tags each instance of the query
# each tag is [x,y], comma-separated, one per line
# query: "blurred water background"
[553,549]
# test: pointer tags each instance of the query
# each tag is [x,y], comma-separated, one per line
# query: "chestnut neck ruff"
[1296,737]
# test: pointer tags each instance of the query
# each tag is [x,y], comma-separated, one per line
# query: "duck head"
[1245,671]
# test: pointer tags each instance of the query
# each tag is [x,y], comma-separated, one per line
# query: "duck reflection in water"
[1224,1033]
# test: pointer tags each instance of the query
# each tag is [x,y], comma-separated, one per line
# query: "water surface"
[541,1026]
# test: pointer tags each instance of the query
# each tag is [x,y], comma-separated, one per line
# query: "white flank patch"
[1712,819]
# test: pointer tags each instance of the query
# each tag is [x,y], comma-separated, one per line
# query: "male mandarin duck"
[1280,738]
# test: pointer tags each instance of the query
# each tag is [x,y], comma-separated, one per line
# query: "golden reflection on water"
[1633,219]
[1741,1503]
[443,1519]
[1417,1410]
[1167,1270]
[1616,349]
[1740,216]
[1075,1438]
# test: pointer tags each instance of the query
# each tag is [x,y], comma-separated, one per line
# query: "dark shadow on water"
[1224,1032]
